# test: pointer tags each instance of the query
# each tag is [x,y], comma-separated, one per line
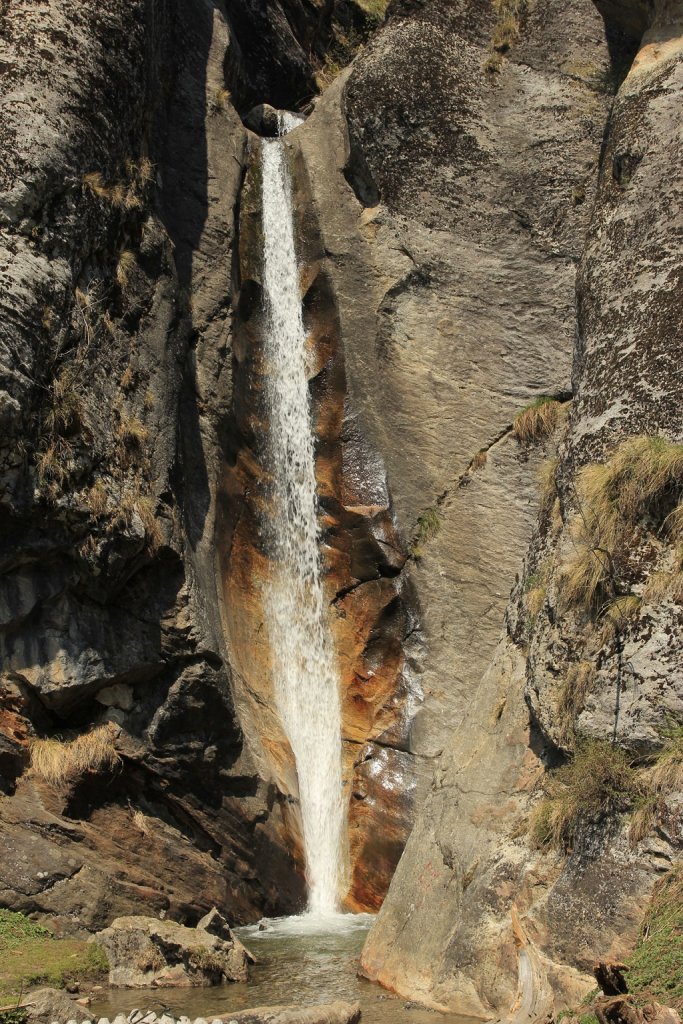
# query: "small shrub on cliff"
[640,484]
[428,525]
[538,420]
[597,782]
[655,970]
[326,74]
[59,762]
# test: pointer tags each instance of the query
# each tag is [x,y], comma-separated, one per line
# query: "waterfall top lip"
[271,122]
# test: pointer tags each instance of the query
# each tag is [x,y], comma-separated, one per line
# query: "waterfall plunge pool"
[300,964]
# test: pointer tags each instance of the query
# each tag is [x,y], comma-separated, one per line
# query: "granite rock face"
[472,901]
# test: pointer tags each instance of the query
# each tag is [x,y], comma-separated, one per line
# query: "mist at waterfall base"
[304,665]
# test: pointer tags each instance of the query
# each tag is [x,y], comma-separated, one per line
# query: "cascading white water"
[304,668]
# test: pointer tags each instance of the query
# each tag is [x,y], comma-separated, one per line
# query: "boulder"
[45,1005]
[144,952]
[264,120]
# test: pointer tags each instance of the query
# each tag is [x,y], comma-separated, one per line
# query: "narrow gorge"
[341,504]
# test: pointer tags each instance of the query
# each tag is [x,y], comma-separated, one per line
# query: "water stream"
[298,965]
[305,672]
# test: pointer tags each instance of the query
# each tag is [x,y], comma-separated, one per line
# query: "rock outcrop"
[564,673]
[144,952]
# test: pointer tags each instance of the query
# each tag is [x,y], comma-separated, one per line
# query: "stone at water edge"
[144,952]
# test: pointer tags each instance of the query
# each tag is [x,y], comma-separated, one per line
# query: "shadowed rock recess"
[488,220]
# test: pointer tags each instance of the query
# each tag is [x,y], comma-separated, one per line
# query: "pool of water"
[301,962]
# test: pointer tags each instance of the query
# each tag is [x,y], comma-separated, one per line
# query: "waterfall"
[304,667]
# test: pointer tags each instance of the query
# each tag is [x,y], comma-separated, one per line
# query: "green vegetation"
[602,780]
[428,525]
[656,967]
[203,959]
[59,762]
[538,420]
[597,782]
[31,955]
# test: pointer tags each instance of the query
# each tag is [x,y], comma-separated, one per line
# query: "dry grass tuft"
[146,509]
[582,579]
[618,614]
[97,499]
[148,400]
[127,378]
[664,586]
[638,484]
[480,459]
[142,823]
[221,98]
[575,688]
[59,762]
[547,483]
[132,432]
[125,268]
[665,776]
[537,421]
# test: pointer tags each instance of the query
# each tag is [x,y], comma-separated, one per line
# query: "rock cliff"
[490,243]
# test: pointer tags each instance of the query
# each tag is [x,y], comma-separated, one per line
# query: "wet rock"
[264,120]
[144,951]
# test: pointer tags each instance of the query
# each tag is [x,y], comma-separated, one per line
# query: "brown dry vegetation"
[538,420]
[636,486]
[60,762]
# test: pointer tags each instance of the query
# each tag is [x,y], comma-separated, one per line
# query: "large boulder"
[145,952]
[45,1005]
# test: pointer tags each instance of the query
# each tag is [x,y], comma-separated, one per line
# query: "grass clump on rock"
[599,781]
[59,762]
[538,420]
[428,525]
[642,483]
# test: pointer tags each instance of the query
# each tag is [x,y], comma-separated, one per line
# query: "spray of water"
[305,674]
